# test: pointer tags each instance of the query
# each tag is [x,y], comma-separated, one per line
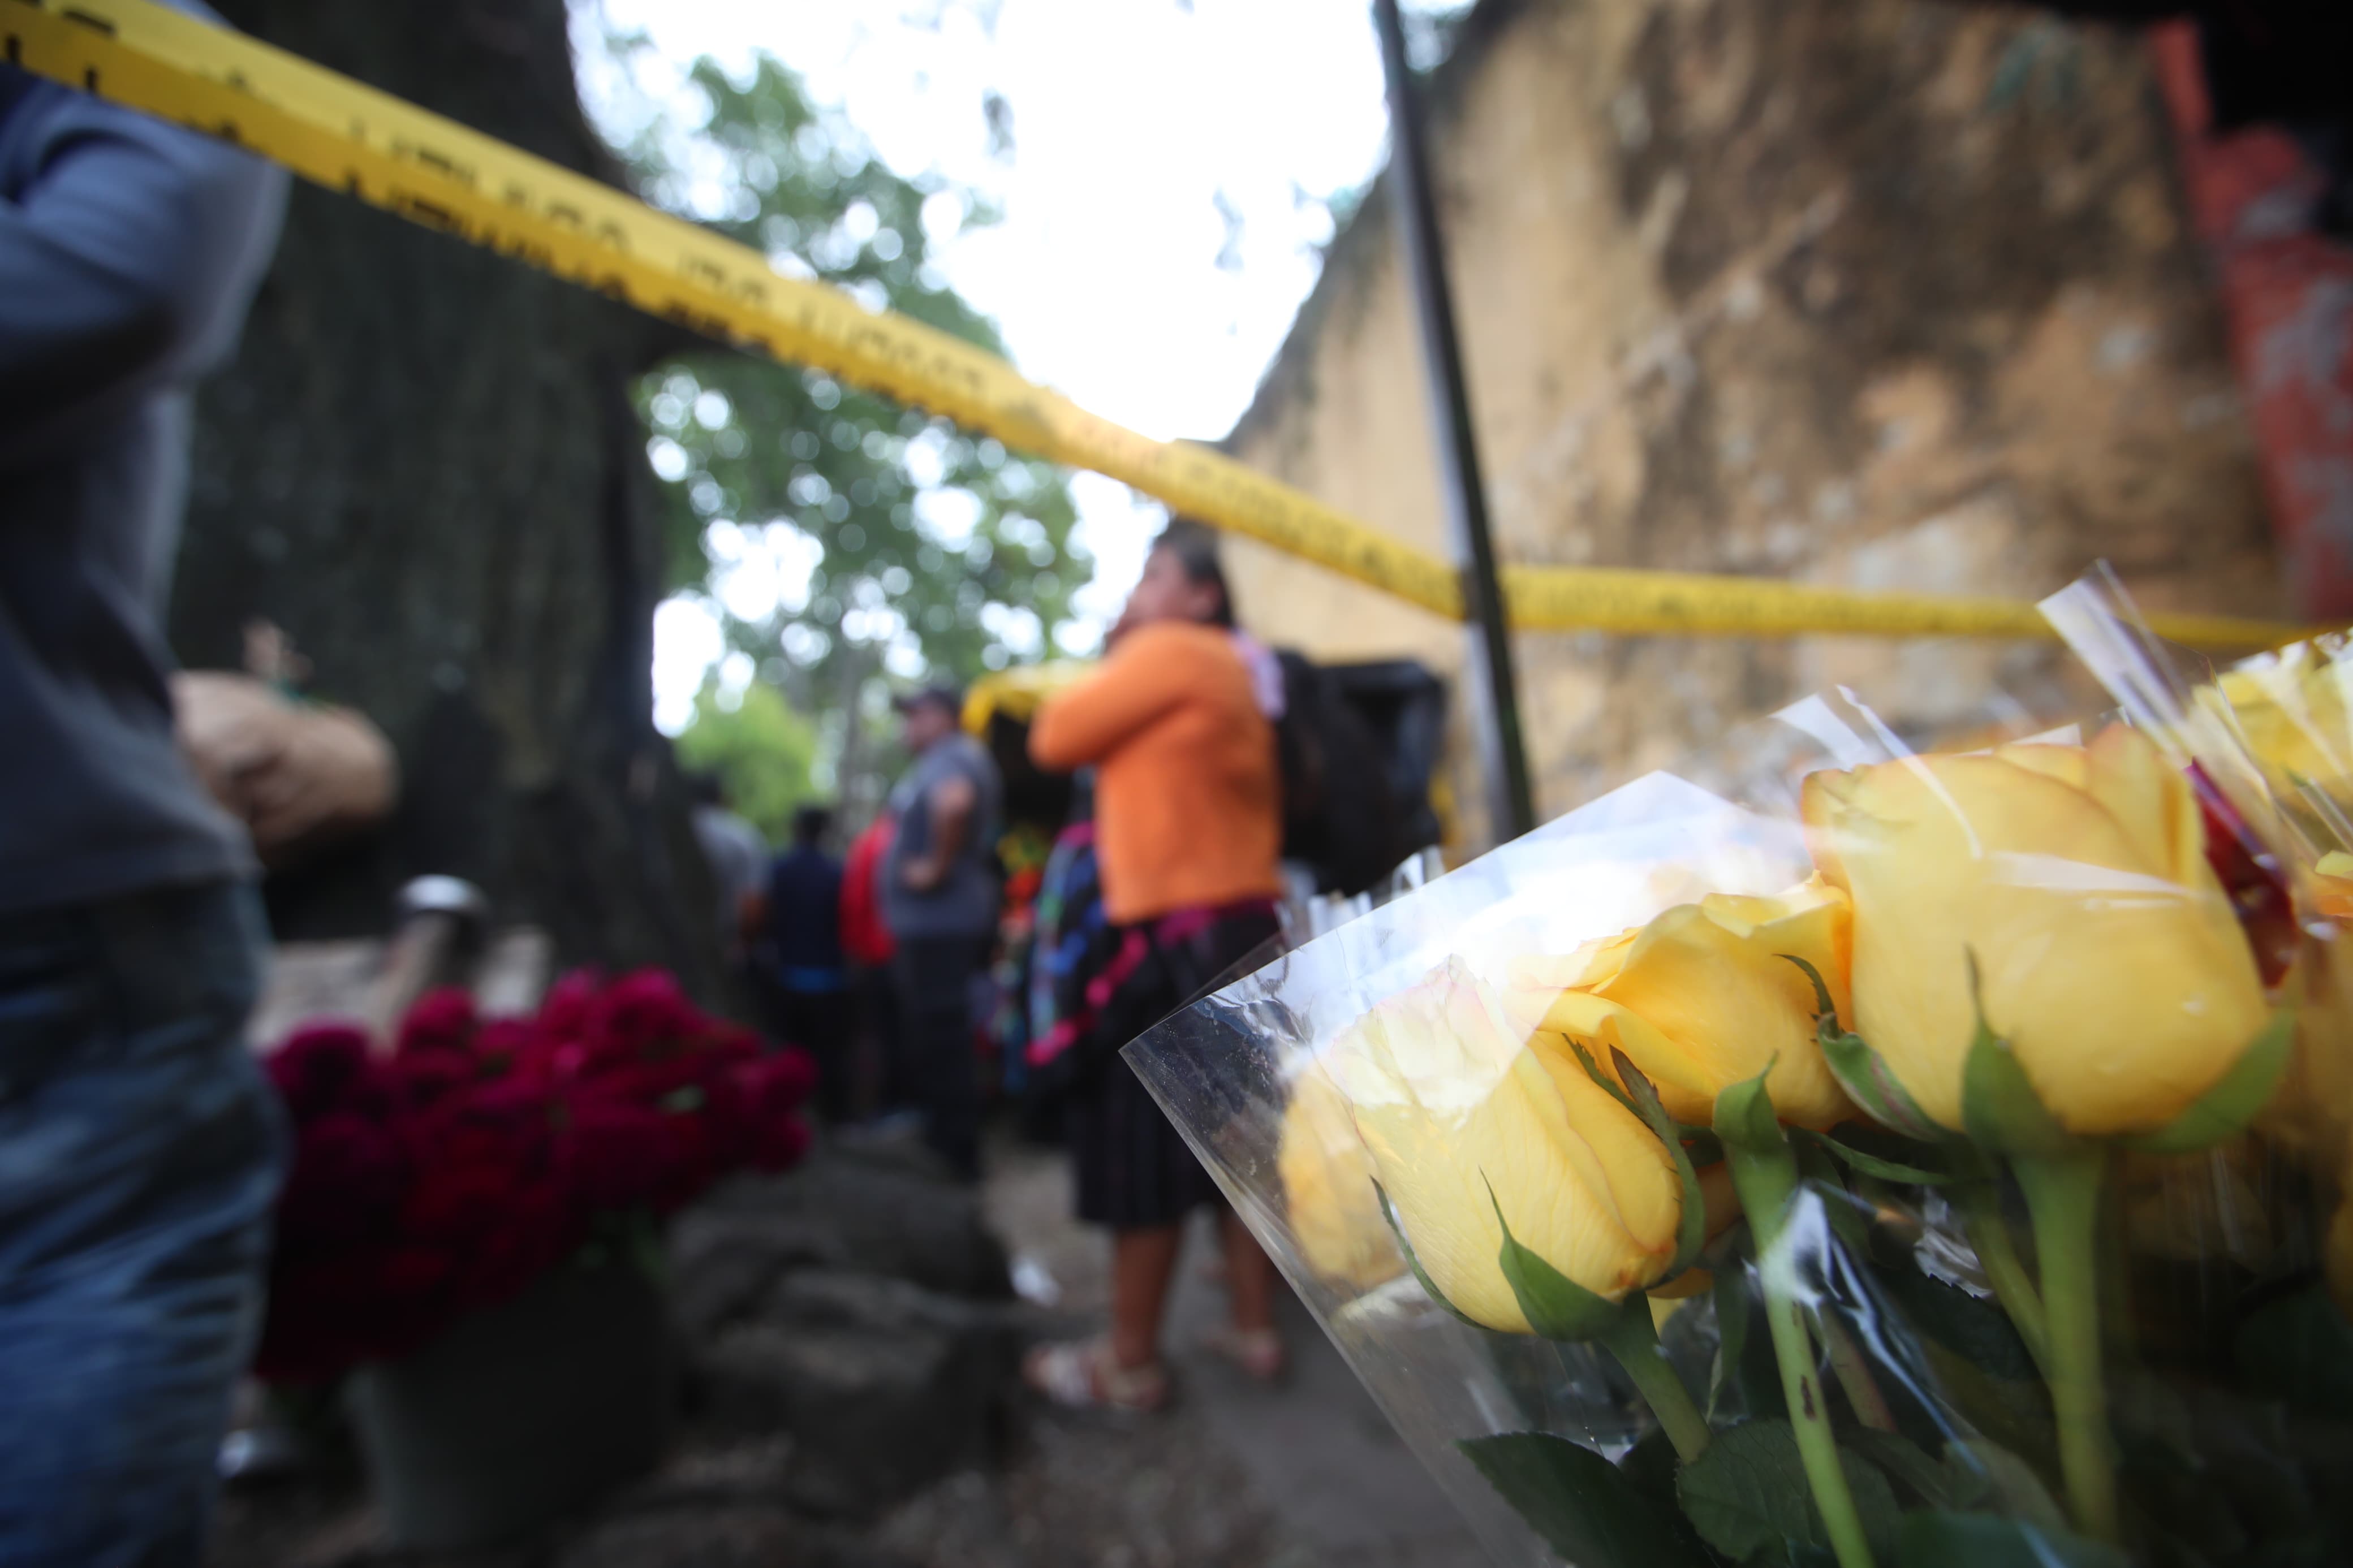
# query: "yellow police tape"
[351,138]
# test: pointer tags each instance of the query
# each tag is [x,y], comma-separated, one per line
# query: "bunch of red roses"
[447,1176]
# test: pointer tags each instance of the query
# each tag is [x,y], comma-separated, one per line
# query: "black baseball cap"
[948,697]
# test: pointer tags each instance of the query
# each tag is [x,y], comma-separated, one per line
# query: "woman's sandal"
[1258,1351]
[1081,1376]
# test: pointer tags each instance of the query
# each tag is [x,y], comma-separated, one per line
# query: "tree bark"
[424,465]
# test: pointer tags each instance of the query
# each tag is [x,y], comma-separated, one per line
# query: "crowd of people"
[1168,873]
[141,1149]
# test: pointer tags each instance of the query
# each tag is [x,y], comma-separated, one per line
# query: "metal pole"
[1495,712]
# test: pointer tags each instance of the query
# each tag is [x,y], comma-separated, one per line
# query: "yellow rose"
[1453,1102]
[1703,998]
[1328,1187]
[2292,712]
[2110,957]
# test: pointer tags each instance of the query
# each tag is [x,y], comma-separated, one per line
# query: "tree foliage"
[763,753]
[824,523]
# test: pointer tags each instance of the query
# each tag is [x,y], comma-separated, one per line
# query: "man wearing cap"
[939,899]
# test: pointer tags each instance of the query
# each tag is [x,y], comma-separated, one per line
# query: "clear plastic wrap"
[1861,1159]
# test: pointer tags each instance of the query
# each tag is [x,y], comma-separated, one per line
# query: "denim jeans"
[140,1153]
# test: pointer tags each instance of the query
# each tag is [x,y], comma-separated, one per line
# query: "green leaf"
[1825,1009]
[1998,1105]
[1428,1286]
[1869,1084]
[1909,1464]
[2299,1348]
[2225,1110]
[1691,1235]
[1973,1474]
[1745,1119]
[1872,1165]
[2001,1479]
[1586,1509]
[1593,1070]
[1748,1493]
[1977,1331]
[1935,1539]
[1557,1306]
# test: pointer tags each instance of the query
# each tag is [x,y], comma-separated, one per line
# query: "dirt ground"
[1303,1475]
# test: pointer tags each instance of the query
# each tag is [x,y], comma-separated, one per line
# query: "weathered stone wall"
[1886,293]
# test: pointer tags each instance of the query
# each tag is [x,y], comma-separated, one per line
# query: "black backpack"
[1340,812]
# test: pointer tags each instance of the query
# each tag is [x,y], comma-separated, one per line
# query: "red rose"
[642,1009]
[777,1084]
[346,1186]
[317,1066]
[565,1011]
[616,1155]
[504,1044]
[648,1082]
[440,1020]
[422,1079]
[781,1145]
[535,1228]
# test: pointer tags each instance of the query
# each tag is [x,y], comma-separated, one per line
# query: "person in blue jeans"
[140,1149]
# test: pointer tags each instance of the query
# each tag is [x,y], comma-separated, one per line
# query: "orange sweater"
[1188,801]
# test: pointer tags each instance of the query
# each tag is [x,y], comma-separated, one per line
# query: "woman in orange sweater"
[1189,828]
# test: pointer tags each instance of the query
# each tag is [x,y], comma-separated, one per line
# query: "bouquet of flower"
[480,1152]
[1905,1158]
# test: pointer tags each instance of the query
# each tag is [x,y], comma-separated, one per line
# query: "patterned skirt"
[1131,1167]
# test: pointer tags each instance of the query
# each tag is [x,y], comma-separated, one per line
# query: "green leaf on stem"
[1691,1233]
[1825,1010]
[1858,1068]
[1998,1105]
[1935,1539]
[1745,1119]
[1557,1306]
[1872,1165]
[2225,1110]
[1748,1493]
[1870,1085]
[1593,1070]
[1430,1286]
[1586,1509]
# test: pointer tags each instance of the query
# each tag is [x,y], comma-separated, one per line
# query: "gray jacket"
[128,251]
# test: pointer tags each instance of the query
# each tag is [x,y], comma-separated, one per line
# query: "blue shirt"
[804,919]
[129,249]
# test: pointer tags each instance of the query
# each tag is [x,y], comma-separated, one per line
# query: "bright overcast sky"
[1115,275]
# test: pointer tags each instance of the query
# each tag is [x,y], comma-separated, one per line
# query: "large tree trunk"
[425,465]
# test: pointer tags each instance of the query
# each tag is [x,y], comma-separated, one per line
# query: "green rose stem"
[1988,1236]
[1765,1174]
[1633,1337]
[2062,1197]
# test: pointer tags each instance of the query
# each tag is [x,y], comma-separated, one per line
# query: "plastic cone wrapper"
[1867,1143]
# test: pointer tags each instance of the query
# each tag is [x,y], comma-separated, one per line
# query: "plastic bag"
[1846,1162]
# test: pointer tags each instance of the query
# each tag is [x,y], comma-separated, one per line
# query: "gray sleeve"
[129,249]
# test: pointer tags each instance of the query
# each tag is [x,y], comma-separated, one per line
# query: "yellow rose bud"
[2109,956]
[1453,1101]
[1328,1187]
[1704,996]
